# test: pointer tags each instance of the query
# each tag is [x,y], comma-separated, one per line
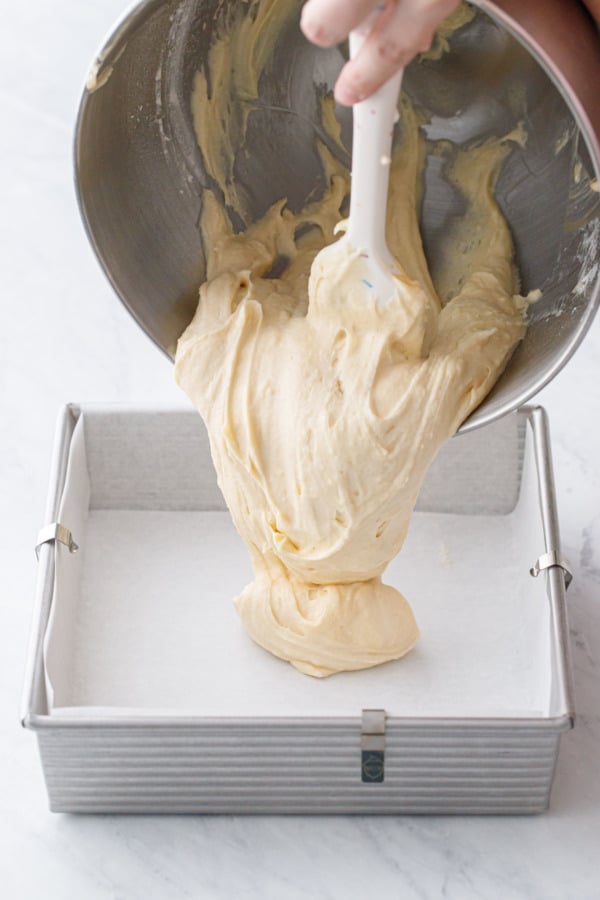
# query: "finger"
[390,45]
[327,22]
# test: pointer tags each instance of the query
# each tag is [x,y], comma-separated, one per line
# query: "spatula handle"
[371,151]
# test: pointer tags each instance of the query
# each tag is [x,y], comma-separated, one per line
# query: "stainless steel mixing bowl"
[140,175]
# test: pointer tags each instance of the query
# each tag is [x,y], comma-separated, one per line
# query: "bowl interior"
[141,175]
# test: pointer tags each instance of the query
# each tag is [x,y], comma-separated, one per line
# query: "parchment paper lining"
[142,619]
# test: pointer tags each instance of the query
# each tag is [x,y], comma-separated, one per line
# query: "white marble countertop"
[65,337]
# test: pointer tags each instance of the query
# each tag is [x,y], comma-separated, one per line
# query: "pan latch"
[372,745]
[56,532]
[550,560]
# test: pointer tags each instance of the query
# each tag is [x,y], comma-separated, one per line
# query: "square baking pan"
[147,696]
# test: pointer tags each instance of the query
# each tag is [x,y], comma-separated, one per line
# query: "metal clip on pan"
[56,532]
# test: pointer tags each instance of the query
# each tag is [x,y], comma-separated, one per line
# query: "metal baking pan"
[219,726]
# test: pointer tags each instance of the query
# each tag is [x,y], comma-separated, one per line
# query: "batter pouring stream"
[325,408]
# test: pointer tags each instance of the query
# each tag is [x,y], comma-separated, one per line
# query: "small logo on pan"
[372,766]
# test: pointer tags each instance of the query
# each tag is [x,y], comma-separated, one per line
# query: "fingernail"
[316,32]
[346,96]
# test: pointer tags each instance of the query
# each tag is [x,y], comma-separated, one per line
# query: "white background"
[64,336]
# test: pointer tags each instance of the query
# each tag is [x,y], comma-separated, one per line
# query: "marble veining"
[66,338]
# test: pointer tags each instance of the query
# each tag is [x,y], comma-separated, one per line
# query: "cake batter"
[325,407]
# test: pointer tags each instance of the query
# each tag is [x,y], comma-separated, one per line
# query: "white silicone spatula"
[374,120]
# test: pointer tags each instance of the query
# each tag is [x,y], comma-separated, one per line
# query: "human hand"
[402,29]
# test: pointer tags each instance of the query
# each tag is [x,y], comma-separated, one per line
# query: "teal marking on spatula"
[368,283]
